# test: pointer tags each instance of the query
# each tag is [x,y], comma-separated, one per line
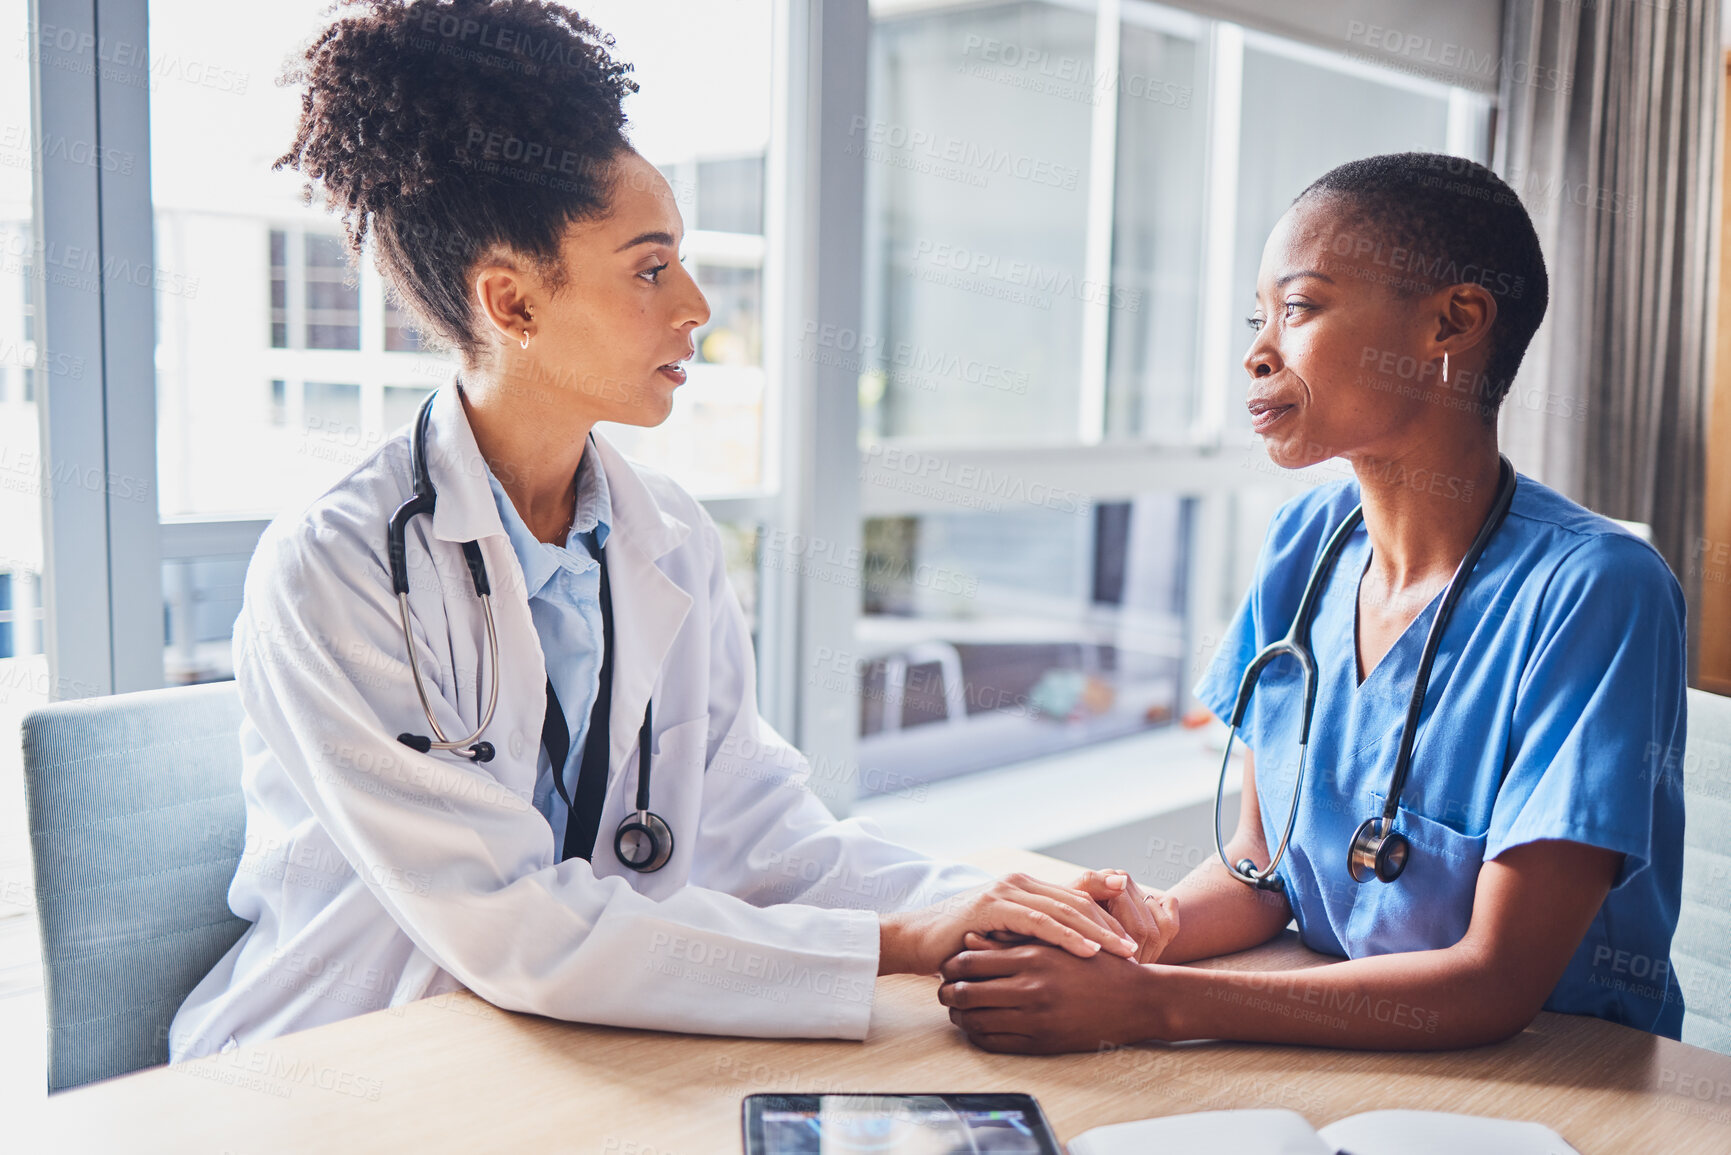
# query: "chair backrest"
[136,825]
[1701,952]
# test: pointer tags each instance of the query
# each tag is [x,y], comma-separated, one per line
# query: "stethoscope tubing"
[1296,644]
[444,743]
[424,500]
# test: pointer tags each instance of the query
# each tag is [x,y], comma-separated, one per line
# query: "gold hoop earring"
[525,338]
[1445,380]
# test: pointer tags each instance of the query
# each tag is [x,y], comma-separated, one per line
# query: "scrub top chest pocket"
[1431,905]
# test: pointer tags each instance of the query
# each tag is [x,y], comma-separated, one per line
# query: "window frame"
[1212,466]
[103,617]
[103,625]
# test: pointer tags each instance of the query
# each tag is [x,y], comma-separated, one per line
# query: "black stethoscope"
[643,842]
[1378,850]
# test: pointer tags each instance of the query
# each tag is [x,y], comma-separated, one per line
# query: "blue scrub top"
[1555,711]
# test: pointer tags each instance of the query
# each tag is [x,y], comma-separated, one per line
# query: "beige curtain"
[1608,127]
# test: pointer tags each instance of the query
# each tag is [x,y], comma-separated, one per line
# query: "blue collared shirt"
[564,588]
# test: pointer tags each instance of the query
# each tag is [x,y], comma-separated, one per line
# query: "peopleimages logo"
[1064,76]
[965,155]
[937,258]
[1444,59]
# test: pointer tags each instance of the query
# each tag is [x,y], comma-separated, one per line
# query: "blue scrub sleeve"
[1283,565]
[1599,712]
[1218,689]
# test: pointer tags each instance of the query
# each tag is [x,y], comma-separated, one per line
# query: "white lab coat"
[374,875]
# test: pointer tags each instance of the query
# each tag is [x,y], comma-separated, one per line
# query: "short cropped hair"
[453,128]
[1456,221]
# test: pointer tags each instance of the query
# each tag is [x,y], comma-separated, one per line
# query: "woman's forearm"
[1424,1000]
[1219,915]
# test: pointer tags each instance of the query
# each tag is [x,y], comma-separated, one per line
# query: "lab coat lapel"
[466,511]
[648,606]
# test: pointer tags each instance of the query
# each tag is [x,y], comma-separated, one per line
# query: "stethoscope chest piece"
[643,842]
[1378,851]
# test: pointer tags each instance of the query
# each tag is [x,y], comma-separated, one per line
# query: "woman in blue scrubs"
[1543,812]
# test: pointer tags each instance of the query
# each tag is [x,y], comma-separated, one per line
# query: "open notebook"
[1287,1133]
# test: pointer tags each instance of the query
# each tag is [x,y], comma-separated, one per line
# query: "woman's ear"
[504,299]
[1468,311]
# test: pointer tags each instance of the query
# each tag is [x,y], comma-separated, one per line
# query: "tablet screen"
[896,1125]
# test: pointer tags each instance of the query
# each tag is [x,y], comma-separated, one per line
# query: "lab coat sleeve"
[758,793]
[320,676]
[1596,743]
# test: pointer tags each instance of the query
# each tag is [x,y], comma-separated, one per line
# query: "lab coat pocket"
[1430,905]
[675,785]
[677,769]
[680,744]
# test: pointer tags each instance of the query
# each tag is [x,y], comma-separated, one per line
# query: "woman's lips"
[674,373]
[1264,415]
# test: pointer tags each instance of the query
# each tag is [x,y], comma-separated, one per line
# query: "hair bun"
[403,94]
[452,127]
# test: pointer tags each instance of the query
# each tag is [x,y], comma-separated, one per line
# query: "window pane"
[23,365]
[332,410]
[201,598]
[333,306]
[24,680]
[402,403]
[278,289]
[400,335]
[258,294]
[730,195]
[1286,143]
[1156,236]
[734,333]
[702,116]
[976,221]
[988,638]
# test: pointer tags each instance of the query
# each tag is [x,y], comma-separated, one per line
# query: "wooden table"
[456,1074]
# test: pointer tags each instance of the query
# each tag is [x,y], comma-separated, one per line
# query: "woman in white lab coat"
[482,146]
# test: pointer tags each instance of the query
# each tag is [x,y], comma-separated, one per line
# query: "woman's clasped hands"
[1013,992]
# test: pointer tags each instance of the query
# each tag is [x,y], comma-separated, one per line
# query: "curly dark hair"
[1441,220]
[450,129]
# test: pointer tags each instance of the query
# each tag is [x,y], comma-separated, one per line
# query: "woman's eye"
[653,276]
[1255,324]
[1291,305]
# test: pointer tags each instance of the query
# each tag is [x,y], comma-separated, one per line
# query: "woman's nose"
[1261,360]
[696,307]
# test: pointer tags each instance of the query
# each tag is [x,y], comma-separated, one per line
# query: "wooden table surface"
[456,1074]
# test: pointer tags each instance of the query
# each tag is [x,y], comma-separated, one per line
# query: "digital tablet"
[896,1124]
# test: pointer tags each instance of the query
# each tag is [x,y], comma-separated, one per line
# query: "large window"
[1060,248]
[281,367]
[1056,500]
[27,364]
[24,361]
